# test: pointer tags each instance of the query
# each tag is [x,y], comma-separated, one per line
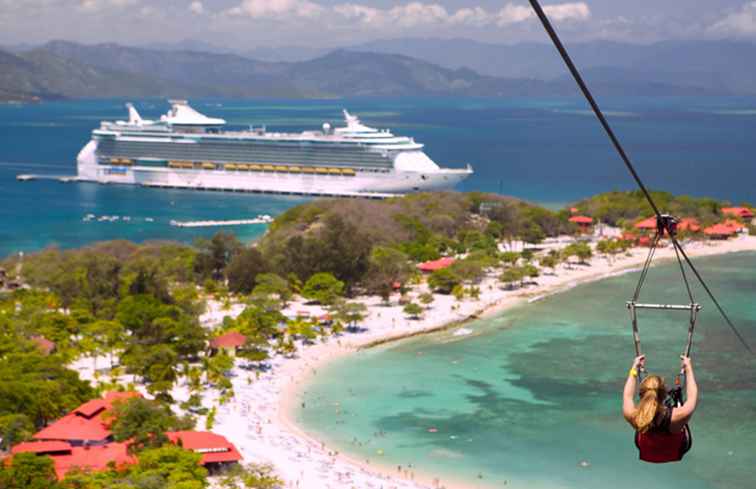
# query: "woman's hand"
[686,363]
[639,362]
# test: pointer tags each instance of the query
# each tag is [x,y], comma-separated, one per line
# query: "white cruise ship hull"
[367,183]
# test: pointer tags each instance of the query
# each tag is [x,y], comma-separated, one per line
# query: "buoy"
[584,464]
[380,451]
[432,430]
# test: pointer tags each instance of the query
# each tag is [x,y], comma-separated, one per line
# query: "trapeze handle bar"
[673,307]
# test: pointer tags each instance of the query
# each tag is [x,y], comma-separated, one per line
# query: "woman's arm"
[628,394]
[681,416]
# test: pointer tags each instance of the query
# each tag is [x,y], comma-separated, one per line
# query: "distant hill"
[719,66]
[66,69]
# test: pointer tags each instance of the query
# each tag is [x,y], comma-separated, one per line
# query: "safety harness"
[660,445]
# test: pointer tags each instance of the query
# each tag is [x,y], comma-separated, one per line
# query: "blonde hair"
[652,395]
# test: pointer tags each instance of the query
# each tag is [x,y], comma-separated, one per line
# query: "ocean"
[549,151]
[532,398]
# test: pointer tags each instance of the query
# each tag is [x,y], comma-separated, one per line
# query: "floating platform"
[59,178]
[233,222]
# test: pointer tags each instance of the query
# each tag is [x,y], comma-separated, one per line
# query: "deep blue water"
[550,151]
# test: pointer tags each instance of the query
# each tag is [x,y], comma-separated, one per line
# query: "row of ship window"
[206,165]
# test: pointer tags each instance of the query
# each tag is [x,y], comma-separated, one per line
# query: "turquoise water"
[537,390]
[549,151]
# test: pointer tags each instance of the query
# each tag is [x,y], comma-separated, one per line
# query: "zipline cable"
[621,151]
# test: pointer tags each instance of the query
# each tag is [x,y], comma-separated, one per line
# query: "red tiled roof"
[229,340]
[91,408]
[93,458]
[75,427]
[719,230]
[432,266]
[735,225]
[738,211]
[573,210]
[85,422]
[581,220]
[689,224]
[41,447]
[114,396]
[649,223]
[214,448]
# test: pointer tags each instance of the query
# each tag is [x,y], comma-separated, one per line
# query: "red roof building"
[432,266]
[735,225]
[719,231]
[647,224]
[215,449]
[689,224]
[741,212]
[582,220]
[232,339]
[82,439]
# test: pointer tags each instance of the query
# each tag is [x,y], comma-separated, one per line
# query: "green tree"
[169,467]
[413,310]
[444,280]
[243,269]
[214,255]
[511,276]
[28,471]
[14,428]
[144,423]
[426,298]
[510,257]
[271,284]
[548,261]
[387,266]
[323,288]
[250,476]
[349,312]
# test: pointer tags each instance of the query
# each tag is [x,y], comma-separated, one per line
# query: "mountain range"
[405,67]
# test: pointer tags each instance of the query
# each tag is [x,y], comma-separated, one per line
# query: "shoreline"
[273,397]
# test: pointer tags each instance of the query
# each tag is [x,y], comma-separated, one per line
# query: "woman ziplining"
[665,429]
[661,417]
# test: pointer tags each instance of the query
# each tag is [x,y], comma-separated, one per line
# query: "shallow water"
[545,150]
[536,391]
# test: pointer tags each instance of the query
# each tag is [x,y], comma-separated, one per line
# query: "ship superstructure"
[187,149]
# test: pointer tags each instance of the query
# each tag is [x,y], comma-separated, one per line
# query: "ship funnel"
[134,117]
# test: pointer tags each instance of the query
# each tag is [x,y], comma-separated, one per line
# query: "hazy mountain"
[66,69]
[695,64]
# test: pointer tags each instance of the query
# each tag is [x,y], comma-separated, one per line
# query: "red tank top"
[659,445]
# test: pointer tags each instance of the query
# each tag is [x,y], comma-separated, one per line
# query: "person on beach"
[661,431]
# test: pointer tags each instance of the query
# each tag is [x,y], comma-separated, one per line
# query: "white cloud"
[196,8]
[276,9]
[739,23]
[513,14]
[561,12]
[408,15]
[568,11]
[98,5]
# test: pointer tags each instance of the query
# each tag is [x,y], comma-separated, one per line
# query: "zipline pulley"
[665,225]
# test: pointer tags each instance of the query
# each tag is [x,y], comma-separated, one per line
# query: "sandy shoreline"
[259,420]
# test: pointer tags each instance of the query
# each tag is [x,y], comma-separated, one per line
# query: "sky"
[247,24]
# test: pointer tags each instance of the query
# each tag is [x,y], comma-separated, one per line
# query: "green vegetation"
[624,208]
[144,422]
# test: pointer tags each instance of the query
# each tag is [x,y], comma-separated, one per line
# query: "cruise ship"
[187,149]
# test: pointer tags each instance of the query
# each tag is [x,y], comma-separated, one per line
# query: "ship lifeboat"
[334,171]
[255,168]
[295,169]
[269,168]
[348,172]
[230,167]
[321,171]
[208,166]
[282,169]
